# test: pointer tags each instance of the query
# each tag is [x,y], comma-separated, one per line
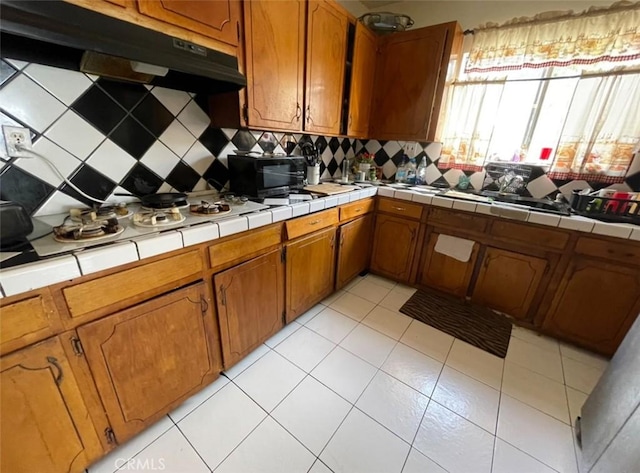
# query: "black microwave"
[266,176]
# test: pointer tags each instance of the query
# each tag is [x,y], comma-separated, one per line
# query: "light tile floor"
[355,386]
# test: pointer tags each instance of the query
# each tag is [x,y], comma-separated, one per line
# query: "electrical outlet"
[410,148]
[15,136]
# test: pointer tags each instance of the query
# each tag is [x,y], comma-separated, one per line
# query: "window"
[575,114]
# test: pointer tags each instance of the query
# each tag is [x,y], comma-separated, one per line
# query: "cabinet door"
[326,55]
[362,80]
[310,271]
[250,300]
[595,304]
[217,19]
[508,281]
[45,425]
[394,244]
[275,63]
[445,273]
[147,359]
[354,249]
[410,74]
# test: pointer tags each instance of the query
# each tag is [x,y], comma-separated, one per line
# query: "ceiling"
[372,4]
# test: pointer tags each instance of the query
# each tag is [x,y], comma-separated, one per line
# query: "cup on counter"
[313,175]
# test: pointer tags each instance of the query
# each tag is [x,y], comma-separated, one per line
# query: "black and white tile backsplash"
[109,137]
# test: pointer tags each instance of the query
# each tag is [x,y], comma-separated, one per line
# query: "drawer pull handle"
[359,209]
[315,222]
[400,209]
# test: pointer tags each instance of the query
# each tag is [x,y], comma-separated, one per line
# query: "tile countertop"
[26,277]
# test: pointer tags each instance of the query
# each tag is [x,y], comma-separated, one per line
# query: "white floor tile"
[536,433]
[114,460]
[368,344]
[380,281]
[418,463]
[583,356]
[305,349]
[269,380]
[389,322]
[413,368]
[268,449]
[537,359]
[282,334]
[369,290]
[319,467]
[469,398]
[221,423]
[344,373]
[310,314]
[395,299]
[576,401]
[536,390]
[428,340]
[361,445]
[508,459]
[312,413]
[580,376]
[476,363]
[247,361]
[535,338]
[453,442]
[194,401]
[405,289]
[353,306]
[170,453]
[332,325]
[394,404]
[352,283]
[333,297]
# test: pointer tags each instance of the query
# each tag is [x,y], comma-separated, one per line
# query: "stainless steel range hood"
[60,34]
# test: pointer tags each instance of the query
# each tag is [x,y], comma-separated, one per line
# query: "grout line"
[194,448]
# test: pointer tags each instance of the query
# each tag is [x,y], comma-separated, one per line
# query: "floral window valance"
[559,39]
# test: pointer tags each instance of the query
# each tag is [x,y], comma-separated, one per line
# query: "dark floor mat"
[475,325]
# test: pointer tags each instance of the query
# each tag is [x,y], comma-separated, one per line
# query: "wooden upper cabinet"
[250,301]
[394,245]
[148,359]
[327,28]
[595,304]
[217,19]
[354,249]
[508,281]
[274,51]
[310,271]
[45,425]
[410,79]
[362,82]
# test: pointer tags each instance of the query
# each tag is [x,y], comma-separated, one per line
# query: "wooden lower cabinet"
[148,359]
[45,425]
[354,249]
[250,302]
[394,245]
[310,271]
[508,281]
[443,272]
[595,304]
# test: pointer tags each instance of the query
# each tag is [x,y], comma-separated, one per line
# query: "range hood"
[60,34]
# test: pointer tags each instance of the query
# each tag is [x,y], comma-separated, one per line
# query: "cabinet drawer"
[355,209]
[119,290]
[532,236]
[459,220]
[27,321]
[625,252]
[236,249]
[400,207]
[309,224]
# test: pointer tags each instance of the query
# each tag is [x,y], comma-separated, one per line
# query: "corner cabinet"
[250,302]
[410,79]
[148,359]
[362,81]
[394,245]
[217,19]
[595,304]
[327,28]
[45,424]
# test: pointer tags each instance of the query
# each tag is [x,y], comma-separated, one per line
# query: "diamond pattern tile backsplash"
[114,138]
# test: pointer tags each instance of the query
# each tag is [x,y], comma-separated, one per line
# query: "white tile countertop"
[76,263]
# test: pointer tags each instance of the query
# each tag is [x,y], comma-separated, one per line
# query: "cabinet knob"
[298,112]
[308,113]
[400,209]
